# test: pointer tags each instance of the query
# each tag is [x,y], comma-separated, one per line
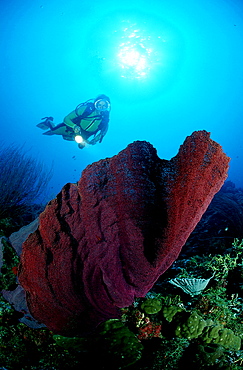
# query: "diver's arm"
[103,131]
[99,136]
[68,119]
[95,139]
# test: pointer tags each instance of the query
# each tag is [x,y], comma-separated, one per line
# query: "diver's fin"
[48,123]
[43,126]
[50,132]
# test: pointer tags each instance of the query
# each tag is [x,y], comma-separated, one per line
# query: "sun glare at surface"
[137,53]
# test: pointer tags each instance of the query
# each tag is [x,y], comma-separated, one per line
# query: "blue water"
[56,54]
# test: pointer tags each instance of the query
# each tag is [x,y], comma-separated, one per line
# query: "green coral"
[191,327]
[209,354]
[151,306]
[217,334]
[194,326]
[211,333]
[170,311]
[112,342]
[203,356]
[119,343]
[75,342]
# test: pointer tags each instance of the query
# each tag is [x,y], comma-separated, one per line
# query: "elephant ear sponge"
[105,241]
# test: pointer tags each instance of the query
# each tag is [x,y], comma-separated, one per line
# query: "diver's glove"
[81,146]
[91,142]
[76,130]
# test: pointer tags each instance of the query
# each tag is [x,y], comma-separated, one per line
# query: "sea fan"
[191,286]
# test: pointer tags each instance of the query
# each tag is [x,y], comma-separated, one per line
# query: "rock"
[106,240]
[17,297]
[18,301]
[17,238]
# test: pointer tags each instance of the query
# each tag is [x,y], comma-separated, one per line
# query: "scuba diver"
[89,119]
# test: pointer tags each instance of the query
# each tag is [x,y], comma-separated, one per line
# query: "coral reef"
[105,241]
[150,330]
[141,340]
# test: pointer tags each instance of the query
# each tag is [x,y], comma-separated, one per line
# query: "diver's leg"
[57,130]
[62,129]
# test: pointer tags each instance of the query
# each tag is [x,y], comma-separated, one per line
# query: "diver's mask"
[102,105]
